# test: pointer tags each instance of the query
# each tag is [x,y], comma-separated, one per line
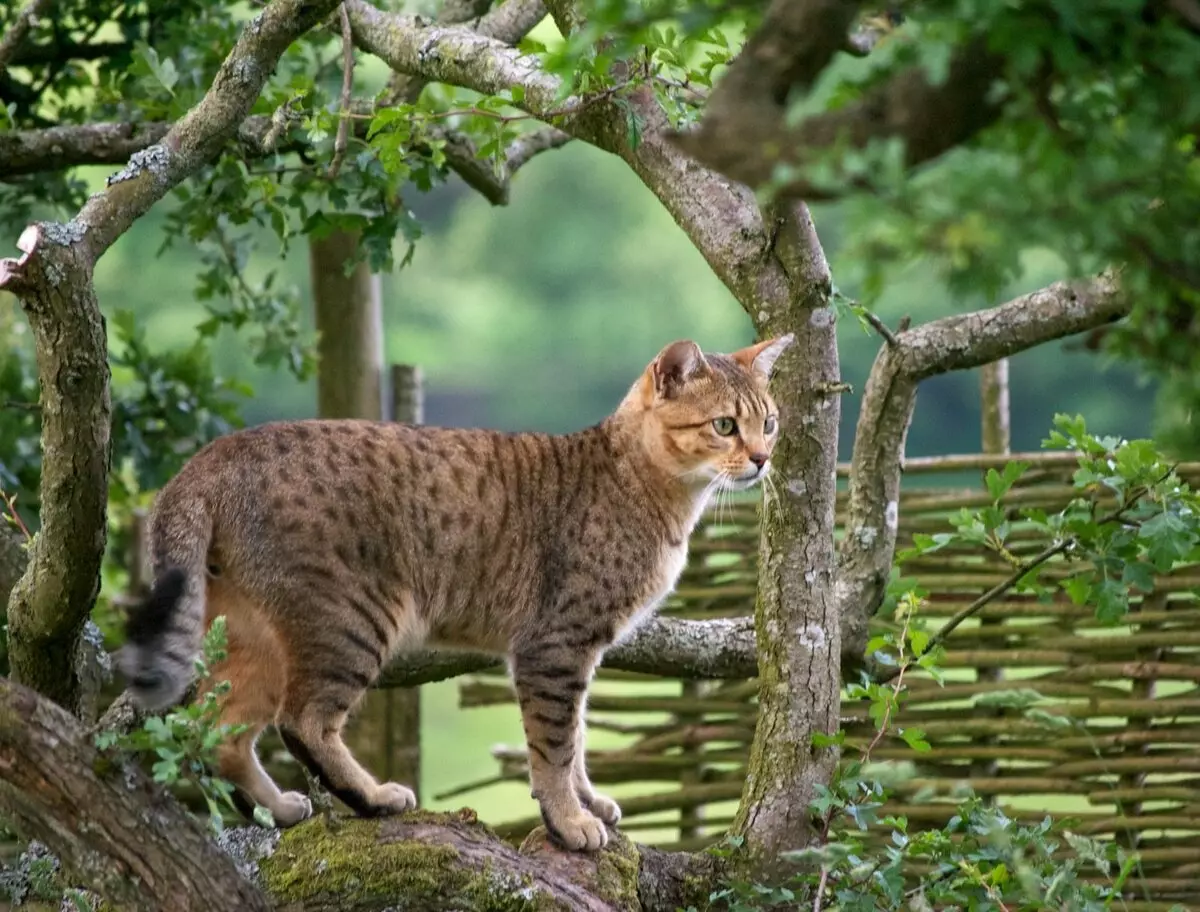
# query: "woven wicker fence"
[1043,709]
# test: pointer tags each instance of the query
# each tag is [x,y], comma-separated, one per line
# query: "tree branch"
[25,152]
[15,36]
[456,55]
[198,137]
[950,344]
[669,647]
[508,23]
[123,837]
[113,828]
[481,175]
[747,137]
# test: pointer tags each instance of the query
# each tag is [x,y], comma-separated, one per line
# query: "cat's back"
[446,485]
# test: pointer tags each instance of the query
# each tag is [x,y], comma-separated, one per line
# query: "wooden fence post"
[402,745]
[996,437]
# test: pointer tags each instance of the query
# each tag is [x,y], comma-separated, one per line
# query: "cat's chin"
[745,484]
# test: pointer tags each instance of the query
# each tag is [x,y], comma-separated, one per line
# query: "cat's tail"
[164,632]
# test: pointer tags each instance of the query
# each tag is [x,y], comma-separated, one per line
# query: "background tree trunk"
[385,732]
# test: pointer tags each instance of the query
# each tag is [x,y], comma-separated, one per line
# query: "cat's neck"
[678,501]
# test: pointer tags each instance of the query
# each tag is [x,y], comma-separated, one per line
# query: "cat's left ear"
[761,358]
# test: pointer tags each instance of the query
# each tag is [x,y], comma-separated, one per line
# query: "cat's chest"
[660,581]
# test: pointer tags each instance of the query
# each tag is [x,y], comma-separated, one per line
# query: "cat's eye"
[771,425]
[724,426]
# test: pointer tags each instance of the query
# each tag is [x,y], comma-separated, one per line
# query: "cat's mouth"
[750,478]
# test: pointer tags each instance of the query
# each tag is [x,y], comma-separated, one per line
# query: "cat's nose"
[759,459]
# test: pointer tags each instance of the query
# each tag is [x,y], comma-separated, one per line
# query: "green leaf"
[1112,601]
[820,739]
[915,738]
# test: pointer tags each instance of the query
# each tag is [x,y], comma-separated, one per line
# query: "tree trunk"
[350,384]
[50,604]
[796,616]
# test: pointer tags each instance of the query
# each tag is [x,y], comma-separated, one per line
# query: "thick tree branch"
[950,344]
[508,23]
[15,36]
[456,55]
[670,647]
[121,836]
[56,148]
[48,607]
[25,152]
[751,141]
[790,49]
[113,828]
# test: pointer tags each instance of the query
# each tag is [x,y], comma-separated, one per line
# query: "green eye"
[771,425]
[724,426]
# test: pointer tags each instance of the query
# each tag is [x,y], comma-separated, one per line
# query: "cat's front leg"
[551,682]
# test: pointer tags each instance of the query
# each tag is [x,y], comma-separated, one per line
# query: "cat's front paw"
[579,831]
[291,809]
[393,798]
[603,807]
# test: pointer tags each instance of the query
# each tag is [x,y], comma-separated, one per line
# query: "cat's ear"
[675,365]
[761,358]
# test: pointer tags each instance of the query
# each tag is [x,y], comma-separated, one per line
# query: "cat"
[329,546]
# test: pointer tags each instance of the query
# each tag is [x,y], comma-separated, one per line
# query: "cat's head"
[710,417]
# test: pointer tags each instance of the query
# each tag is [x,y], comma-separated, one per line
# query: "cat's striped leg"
[551,683]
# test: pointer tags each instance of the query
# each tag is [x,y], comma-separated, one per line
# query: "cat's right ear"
[675,365]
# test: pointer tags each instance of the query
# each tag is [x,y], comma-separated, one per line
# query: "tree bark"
[796,618]
[118,832]
[49,605]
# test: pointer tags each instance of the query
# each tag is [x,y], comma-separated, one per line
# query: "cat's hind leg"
[255,668]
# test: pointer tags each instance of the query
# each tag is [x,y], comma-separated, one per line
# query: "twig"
[821,888]
[16,35]
[880,327]
[10,506]
[15,405]
[343,129]
[1009,581]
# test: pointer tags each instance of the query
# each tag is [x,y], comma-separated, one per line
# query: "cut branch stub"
[11,268]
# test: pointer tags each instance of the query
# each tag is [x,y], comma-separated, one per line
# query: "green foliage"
[184,741]
[1153,525]
[866,861]
[981,859]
